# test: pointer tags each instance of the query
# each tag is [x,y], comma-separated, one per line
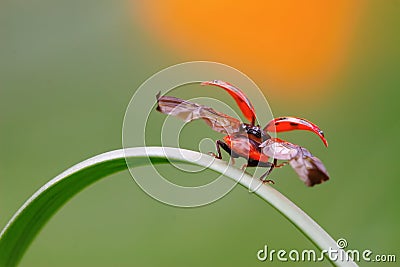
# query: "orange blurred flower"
[290,45]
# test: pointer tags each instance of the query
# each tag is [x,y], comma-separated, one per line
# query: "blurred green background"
[67,72]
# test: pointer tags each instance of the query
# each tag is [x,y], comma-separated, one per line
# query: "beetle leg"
[220,144]
[268,181]
[282,164]
[217,144]
[212,154]
[218,155]
[265,175]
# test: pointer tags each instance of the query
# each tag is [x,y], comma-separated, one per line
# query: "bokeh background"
[69,68]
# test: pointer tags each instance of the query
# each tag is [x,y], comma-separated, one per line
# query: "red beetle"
[248,140]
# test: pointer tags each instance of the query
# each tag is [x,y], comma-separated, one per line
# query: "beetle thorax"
[255,132]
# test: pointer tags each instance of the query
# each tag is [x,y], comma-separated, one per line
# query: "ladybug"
[250,141]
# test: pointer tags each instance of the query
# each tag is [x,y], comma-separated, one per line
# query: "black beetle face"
[256,131]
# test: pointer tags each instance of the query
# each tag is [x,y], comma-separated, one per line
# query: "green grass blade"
[38,209]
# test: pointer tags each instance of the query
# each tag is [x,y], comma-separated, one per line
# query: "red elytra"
[241,99]
[248,140]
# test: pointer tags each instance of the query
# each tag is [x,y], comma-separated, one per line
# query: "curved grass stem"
[38,209]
